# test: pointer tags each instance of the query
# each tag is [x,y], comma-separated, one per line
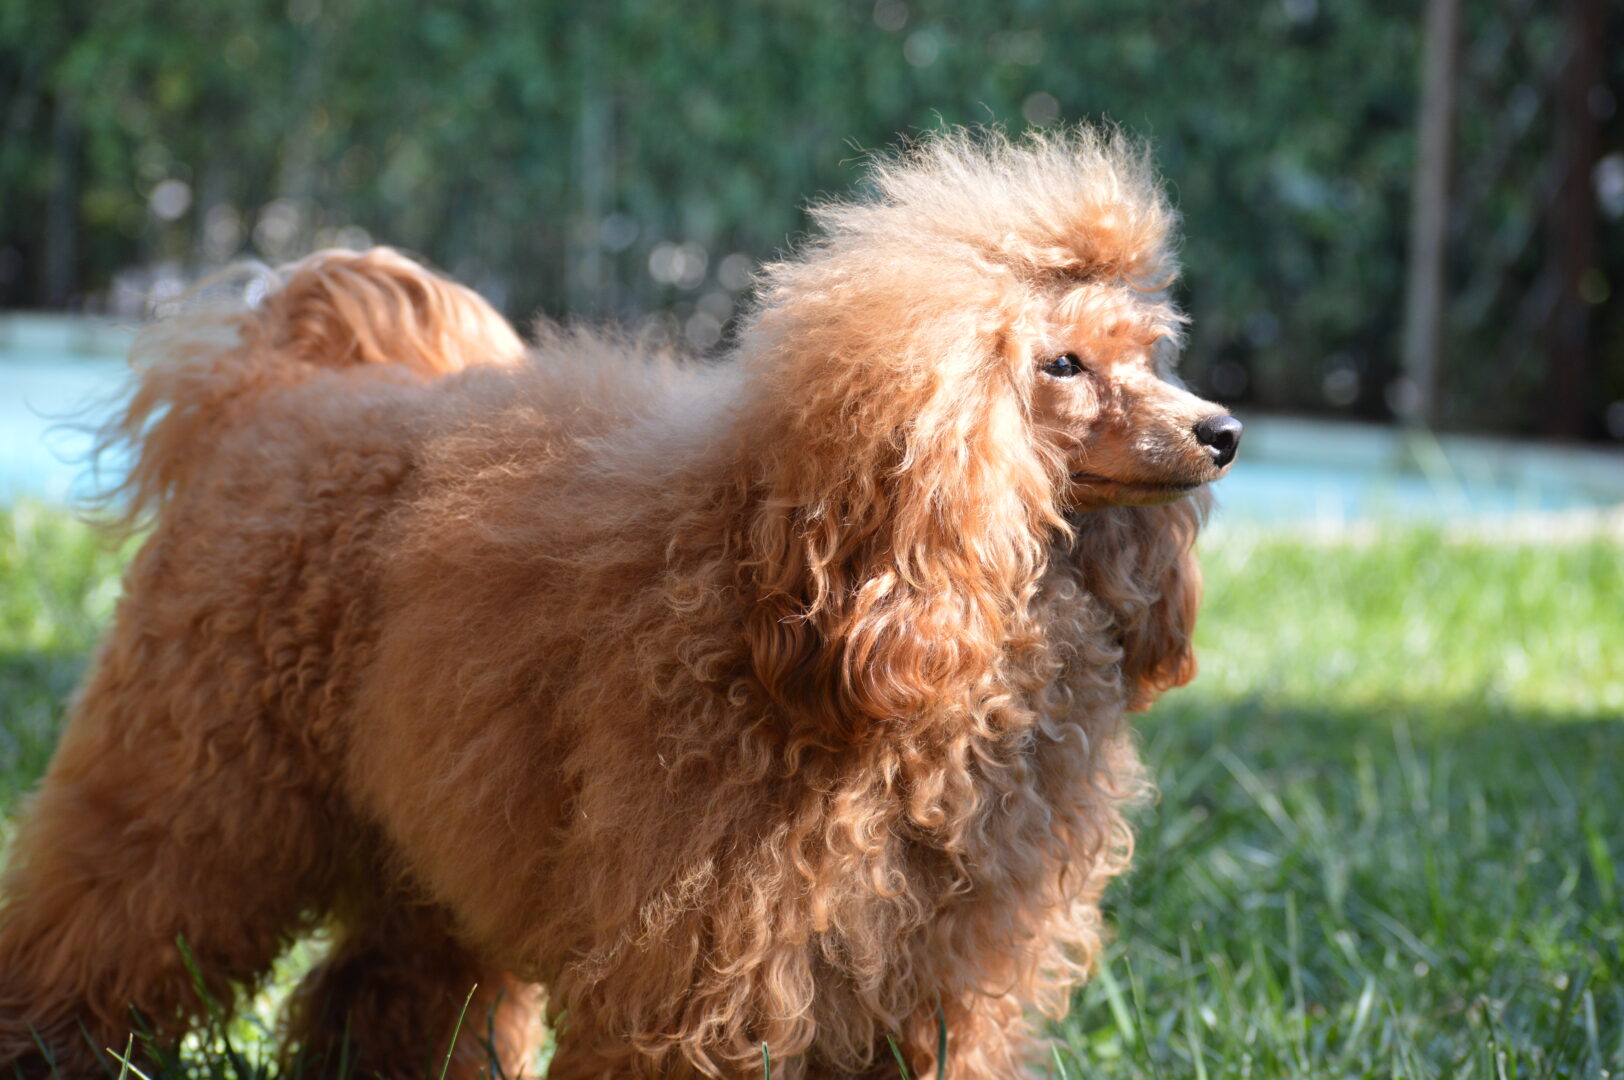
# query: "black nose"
[1221,435]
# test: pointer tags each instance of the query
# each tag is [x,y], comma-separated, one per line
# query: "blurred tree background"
[636,159]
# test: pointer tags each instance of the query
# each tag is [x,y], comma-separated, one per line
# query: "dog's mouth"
[1106,490]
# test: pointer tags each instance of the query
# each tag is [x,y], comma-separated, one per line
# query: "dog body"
[778,701]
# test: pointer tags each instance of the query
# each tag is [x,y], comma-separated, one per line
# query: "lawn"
[1389,824]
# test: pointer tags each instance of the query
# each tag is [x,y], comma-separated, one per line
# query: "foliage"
[554,153]
[1386,843]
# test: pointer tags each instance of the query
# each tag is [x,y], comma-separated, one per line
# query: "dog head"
[949,378]
[1104,402]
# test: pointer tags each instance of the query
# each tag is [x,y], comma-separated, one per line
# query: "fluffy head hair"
[1082,203]
[916,483]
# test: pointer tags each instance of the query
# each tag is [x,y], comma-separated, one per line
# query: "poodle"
[702,710]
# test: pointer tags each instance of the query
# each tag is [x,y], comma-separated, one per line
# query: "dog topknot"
[1078,202]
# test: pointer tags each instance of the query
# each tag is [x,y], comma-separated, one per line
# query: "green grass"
[58,584]
[1388,836]
[1388,825]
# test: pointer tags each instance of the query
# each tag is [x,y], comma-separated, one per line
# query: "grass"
[1388,825]
[1388,836]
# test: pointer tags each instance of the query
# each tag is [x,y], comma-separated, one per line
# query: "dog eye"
[1064,366]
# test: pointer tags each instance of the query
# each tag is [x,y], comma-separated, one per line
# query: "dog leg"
[393,989]
[124,851]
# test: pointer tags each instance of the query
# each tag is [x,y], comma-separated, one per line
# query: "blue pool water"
[56,376]
[45,408]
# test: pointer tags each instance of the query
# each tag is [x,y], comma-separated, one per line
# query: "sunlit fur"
[775,701]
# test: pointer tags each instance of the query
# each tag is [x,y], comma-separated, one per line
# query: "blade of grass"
[1601,861]
[101,1059]
[344,1051]
[1136,996]
[457,1030]
[1299,1003]
[239,1064]
[1192,1021]
[941,1043]
[896,1052]
[1115,999]
[1570,1004]
[1592,1035]
[128,1066]
[50,1058]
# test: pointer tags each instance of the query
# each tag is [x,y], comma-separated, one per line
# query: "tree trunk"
[1572,225]
[60,270]
[1429,221]
[584,278]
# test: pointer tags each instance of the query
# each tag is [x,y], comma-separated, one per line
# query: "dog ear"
[1158,650]
[897,537]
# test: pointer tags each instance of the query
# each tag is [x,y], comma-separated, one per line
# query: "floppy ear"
[1158,651]
[896,537]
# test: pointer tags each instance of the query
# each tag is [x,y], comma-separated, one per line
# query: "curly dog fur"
[779,700]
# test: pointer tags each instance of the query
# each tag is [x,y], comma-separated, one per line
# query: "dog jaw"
[1092,492]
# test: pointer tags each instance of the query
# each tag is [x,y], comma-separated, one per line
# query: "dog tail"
[332,310]
[344,308]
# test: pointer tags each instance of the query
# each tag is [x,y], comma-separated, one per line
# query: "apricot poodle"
[691,706]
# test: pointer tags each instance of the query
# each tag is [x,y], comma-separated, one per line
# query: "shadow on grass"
[1427,890]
